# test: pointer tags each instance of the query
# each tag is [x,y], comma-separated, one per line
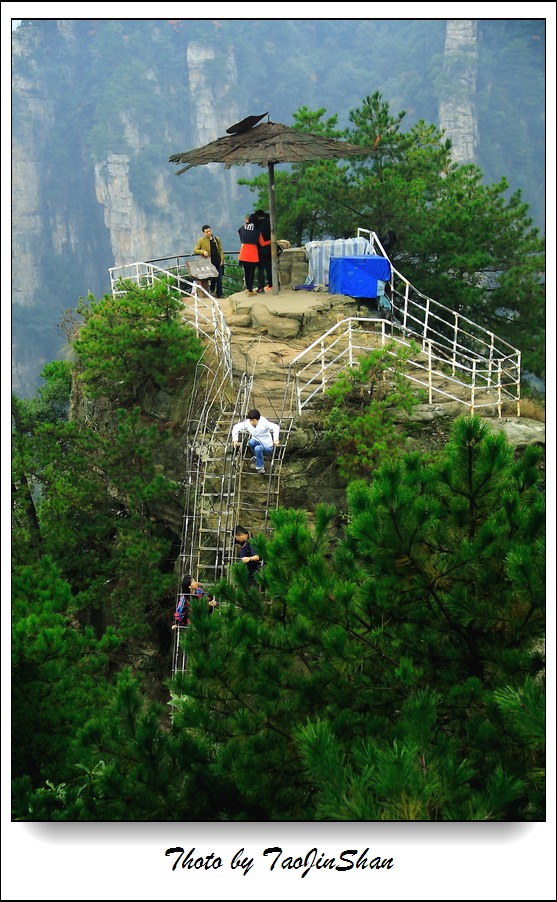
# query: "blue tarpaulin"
[357,276]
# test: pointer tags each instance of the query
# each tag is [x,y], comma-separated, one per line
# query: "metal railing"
[209,396]
[215,477]
[446,354]
[475,353]
[469,380]
[233,278]
[428,320]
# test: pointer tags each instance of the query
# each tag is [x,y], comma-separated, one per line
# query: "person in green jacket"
[211,247]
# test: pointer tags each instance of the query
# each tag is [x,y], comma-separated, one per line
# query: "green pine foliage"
[58,672]
[135,770]
[74,508]
[395,674]
[135,339]
[363,407]
[93,562]
[52,401]
[392,672]
[88,493]
[50,406]
[97,500]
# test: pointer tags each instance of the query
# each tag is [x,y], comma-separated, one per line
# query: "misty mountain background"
[99,105]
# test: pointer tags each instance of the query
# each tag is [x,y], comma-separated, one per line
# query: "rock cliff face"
[166,228]
[457,114]
[74,216]
[130,239]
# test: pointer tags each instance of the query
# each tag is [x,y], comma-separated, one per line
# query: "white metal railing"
[468,380]
[454,335]
[459,360]
[201,309]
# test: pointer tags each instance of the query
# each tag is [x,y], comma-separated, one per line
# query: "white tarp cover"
[320,252]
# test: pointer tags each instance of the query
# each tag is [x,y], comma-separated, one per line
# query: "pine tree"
[392,672]
[134,339]
[363,408]
[395,659]
[87,491]
[90,556]
[59,673]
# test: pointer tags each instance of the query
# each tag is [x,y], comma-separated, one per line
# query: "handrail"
[312,370]
[463,354]
[459,361]
[409,308]
[201,309]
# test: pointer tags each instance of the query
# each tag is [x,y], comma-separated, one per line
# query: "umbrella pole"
[272,218]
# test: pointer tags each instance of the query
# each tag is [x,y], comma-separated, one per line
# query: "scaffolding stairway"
[222,489]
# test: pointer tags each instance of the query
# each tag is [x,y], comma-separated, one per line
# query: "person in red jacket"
[249,253]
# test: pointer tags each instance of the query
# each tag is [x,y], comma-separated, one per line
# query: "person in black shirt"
[249,250]
[247,553]
[264,270]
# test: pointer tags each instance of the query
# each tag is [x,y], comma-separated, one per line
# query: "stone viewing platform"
[290,313]
[268,331]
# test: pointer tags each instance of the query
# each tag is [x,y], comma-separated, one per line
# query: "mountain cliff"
[99,105]
[457,111]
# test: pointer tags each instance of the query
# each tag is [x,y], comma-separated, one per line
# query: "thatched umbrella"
[267,144]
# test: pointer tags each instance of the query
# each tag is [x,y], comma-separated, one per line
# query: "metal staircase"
[222,488]
[214,486]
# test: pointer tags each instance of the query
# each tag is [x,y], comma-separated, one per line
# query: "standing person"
[249,254]
[210,246]
[246,553]
[264,435]
[264,270]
